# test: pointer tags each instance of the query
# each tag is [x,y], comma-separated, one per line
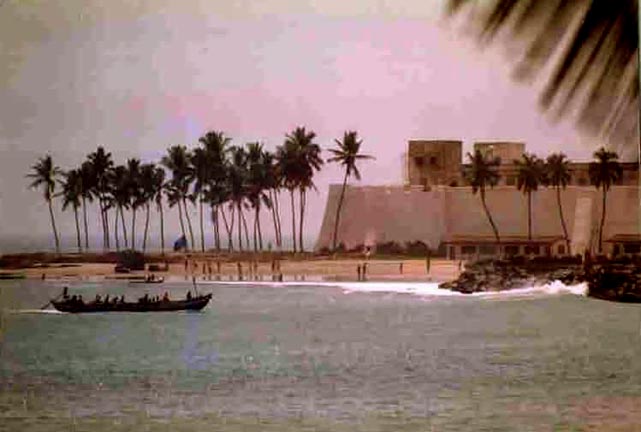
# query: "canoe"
[148,281]
[7,276]
[193,304]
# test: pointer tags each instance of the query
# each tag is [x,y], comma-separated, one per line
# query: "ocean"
[321,356]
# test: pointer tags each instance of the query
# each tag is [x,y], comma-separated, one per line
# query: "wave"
[36,311]
[423,289]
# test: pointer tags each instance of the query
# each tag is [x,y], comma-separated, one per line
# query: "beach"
[313,269]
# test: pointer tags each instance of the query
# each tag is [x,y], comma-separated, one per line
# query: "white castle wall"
[374,214]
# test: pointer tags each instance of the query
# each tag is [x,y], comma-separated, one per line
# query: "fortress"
[436,207]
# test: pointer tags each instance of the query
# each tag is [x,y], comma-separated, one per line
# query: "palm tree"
[135,192]
[44,173]
[147,193]
[346,154]
[71,195]
[605,172]
[308,161]
[158,186]
[100,163]
[597,70]
[177,161]
[287,162]
[121,192]
[558,175]
[238,185]
[257,187]
[87,195]
[531,173]
[202,173]
[273,182]
[481,173]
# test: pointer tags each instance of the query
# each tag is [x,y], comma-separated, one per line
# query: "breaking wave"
[425,289]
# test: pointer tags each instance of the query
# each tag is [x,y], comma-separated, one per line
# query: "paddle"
[57,297]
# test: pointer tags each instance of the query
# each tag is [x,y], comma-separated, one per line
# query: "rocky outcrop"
[500,275]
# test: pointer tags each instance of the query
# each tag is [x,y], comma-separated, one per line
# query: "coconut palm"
[605,172]
[481,173]
[346,154]
[257,187]
[147,194]
[158,189]
[121,193]
[308,161]
[44,174]
[597,67]
[200,162]
[289,168]
[238,186]
[177,161]
[558,175]
[87,195]
[273,182]
[137,198]
[71,196]
[100,163]
[531,173]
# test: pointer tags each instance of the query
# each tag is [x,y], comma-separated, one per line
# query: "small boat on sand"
[151,279]
[76,305]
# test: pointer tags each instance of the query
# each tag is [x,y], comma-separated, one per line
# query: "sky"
[140,76]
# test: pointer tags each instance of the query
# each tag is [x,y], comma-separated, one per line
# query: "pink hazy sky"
[140,77]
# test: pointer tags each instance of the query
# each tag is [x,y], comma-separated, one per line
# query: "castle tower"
[434,162]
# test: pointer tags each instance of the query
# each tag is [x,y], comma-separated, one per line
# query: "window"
[468,250]
[453,183]
[433,160]
[487,250]
[511,250]
[418,161]
[532,250]
[561,249]
[548,251]
[632,248]
[582,181]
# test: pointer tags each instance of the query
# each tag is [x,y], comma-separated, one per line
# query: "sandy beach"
[291,269]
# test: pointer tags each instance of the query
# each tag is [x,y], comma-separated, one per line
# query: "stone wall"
[375,214]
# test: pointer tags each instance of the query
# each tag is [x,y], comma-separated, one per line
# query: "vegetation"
[482,172]
[605,172]
[346,154]
[227,179]
[531,173]
[557,169]
[596,70]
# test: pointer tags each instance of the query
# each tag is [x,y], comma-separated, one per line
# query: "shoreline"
[257,267]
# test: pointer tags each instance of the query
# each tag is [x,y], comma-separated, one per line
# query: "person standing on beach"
[428,260]
[358,270]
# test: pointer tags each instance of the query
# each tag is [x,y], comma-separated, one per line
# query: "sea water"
[321,356]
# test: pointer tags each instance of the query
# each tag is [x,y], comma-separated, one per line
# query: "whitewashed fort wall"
[376,214]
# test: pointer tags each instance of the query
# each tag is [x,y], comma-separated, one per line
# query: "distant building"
[440,163]
[434,205]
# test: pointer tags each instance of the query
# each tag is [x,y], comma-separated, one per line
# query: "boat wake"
[36,311]
[426,289]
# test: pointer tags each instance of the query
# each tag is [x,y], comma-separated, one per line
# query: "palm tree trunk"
[53,226]
[242,214]
[260,234]
[240,229]
[104,230]
[230,243]
[202,229]
[162,229]
[116,229]
[191,230]
[565,229]
[291,195]
[529,216]
[273,209]
[214,219]
[144,238]
[133,228]
[280,229]
[489,217]
[124,226]
[182,224]
[338,212]
[301,219]
[84,211]
[255,235]
[602,220]
[75,212]
[107,227]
